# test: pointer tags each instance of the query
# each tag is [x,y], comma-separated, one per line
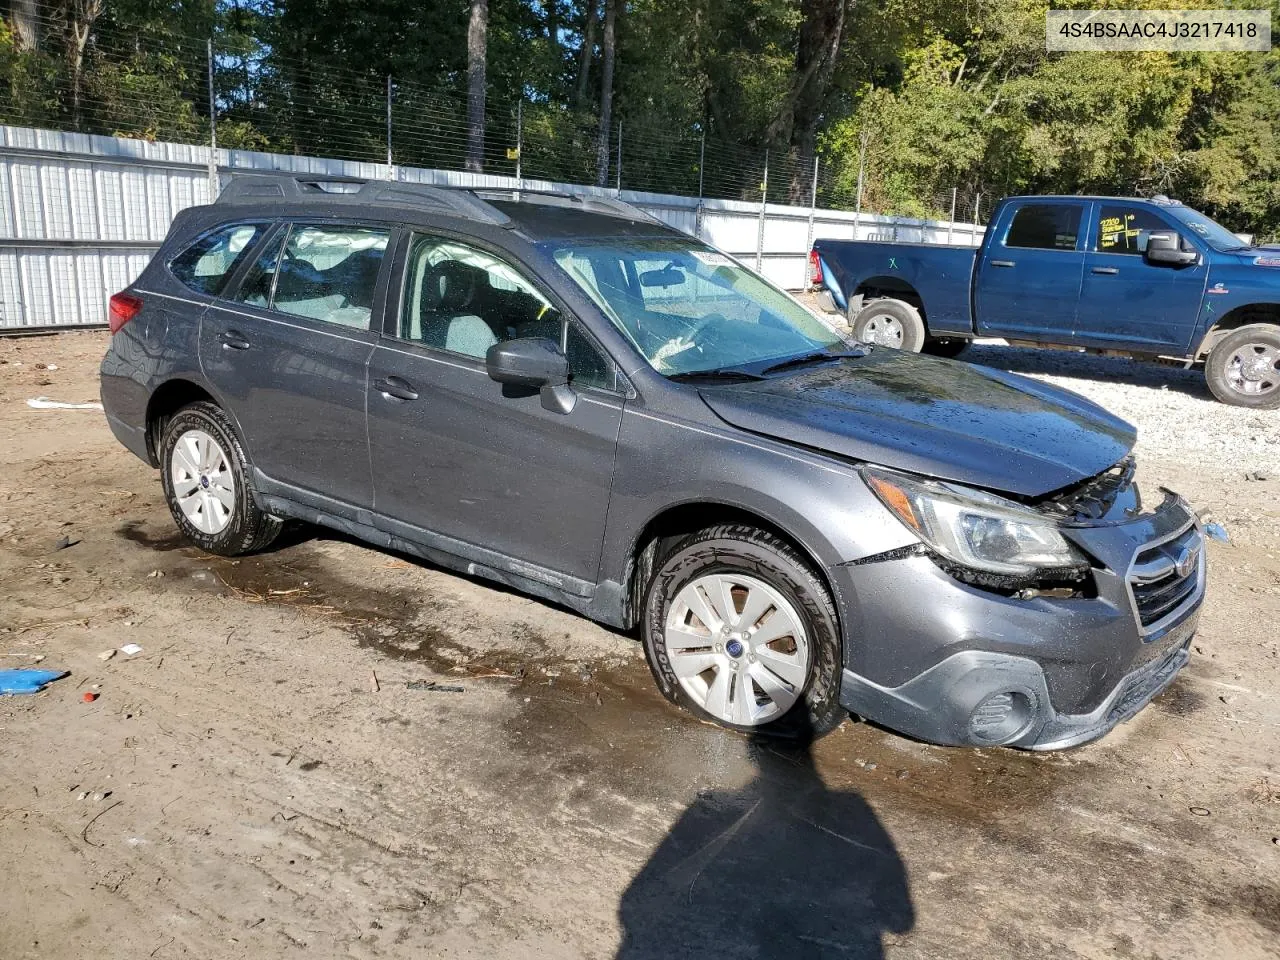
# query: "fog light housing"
[1001,717]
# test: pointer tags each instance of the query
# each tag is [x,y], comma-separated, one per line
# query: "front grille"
[1166,576]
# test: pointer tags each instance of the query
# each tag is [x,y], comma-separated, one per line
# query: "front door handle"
[1001,263]
[395,387]
[234,340]
[1107,270]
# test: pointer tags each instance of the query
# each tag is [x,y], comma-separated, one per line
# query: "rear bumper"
[133,438]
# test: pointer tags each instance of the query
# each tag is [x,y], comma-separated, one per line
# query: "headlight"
[977,530]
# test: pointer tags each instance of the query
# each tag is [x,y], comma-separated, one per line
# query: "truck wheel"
[740,631]
[890,323]
[944,346]
[1243,368]
[202,468]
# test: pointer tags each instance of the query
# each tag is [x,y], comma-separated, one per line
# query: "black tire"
[866,326]
[767,558]
[1223,368]
[248,529]
[944,346]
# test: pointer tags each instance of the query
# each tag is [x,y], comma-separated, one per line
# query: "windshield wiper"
[806,358]
[721,373]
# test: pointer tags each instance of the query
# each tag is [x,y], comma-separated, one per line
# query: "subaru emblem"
[1186,561]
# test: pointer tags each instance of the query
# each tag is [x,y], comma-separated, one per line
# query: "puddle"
[605,720]
[160,542]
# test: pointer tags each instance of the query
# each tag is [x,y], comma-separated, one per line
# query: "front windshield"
[1214,234]
[690,309]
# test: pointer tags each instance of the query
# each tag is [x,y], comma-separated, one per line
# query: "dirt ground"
[245,787]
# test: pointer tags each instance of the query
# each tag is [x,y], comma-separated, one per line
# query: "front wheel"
[740,631]
[890,323]
[1243,368]
[202,468]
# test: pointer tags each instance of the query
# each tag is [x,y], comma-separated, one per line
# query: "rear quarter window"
[205,265]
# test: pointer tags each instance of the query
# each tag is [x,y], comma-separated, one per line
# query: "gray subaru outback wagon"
[569,397]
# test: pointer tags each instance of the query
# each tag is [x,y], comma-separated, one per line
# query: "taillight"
[815,269]
[123,308]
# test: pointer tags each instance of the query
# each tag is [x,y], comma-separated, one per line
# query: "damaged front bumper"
[953,664]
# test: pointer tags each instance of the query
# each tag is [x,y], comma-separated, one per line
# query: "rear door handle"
[1001,263]
[1106,270]
[395,387]
[234,340]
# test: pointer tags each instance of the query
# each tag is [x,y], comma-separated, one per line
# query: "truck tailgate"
[939,275]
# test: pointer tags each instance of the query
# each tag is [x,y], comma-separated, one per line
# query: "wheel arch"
[873,288]
[1234,319]
[662,531]
[170,397]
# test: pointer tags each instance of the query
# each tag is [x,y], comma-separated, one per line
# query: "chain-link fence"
[233,92]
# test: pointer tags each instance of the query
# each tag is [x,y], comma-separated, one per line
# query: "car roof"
[537,215]
[542,222]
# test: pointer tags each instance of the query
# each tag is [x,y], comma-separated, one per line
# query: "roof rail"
[257,187]
[562,198]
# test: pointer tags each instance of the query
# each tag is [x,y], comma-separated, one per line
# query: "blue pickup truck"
[1147,278]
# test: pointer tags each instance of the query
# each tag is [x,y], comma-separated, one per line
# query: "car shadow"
[1084,366]
[784,866]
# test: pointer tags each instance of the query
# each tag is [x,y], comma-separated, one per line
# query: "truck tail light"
[815,269]
[123,308]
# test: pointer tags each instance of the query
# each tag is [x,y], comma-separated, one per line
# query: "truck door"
[1028,279]
[1126,301]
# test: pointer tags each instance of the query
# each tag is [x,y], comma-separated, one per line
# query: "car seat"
[449,309]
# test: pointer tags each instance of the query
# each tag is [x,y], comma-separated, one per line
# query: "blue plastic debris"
[1217,531]
[23,681]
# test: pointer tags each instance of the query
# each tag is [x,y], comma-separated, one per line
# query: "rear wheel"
[890,323]
[202,468]
[740,631]
[1243,368]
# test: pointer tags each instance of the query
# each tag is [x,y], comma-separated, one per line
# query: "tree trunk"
[587,52]
[796,126]
[553,37]
[477,52]
[607,52]
[25,15]
[81,15]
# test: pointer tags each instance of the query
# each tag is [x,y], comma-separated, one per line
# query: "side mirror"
[1167,248]
[534,363]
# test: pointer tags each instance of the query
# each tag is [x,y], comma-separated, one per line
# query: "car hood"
[940,418]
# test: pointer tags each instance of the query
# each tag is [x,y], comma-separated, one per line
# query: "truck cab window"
[1045,226]
[1125,229]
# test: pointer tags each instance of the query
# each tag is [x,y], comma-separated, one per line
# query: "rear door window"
[205,265]
[322,272]
[1045,226]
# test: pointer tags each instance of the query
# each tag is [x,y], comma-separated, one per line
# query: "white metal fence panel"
[81,215]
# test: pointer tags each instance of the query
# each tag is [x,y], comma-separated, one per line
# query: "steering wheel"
[686,341]
[698,326]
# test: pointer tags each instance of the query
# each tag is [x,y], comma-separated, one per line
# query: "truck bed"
[939,272]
